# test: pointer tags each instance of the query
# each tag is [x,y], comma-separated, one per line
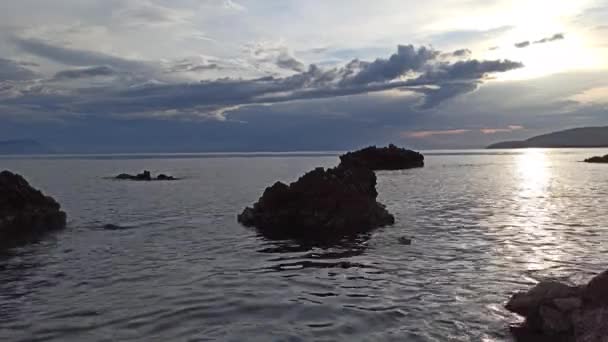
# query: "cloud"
[85,72]
[142,12]
[433,133]
[417,70]
[11,70]
[285,61]
[524,44]
[231,5]
[75,57]
[509,129]
[193,65]
[557,36]
[427,134]
[407,58]
[466,37]
[462,53]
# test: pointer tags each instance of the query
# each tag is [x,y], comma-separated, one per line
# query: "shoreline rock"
[145,176]
[558,312]
[25,212]
[383,158]
[599,160]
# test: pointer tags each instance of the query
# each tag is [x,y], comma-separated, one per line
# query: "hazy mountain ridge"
[576,137]
[23,146]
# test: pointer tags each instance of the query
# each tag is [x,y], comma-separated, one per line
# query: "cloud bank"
[138,88]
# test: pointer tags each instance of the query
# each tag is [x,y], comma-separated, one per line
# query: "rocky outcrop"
[145,176]
[24,211]
[559,312]
[321,204]
[603,159]
[384,158]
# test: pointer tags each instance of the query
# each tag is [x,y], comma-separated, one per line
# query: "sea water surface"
[178,267]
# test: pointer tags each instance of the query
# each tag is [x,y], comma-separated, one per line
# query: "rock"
[553,321]
[405,241]
[163,177]
[591,325]
[559,312]
[603,159]
[528,303]
[568,304]
[125,176]
[385,158]
[24,211]
[596,291]
[144,176]
[320,204]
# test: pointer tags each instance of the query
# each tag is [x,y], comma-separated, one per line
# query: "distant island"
[24,146]
[584,137]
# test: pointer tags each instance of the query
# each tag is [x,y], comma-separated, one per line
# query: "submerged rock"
[603,159]
[144,176]
[24,211]
[322,203]
[559,312]
[384,158]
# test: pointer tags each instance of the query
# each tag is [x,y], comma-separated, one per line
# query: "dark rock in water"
[559,312]
[163,177]
[321,204]
[405,241]
[144,176]
[24,211]
[385,158]
[603,159]
[112,227]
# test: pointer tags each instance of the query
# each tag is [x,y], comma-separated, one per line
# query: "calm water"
[483,223]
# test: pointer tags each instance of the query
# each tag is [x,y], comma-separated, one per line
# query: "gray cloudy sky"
[190,75]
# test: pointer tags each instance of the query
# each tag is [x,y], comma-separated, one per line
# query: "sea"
[167,261]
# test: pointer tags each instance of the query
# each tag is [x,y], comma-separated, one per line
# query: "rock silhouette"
[383,158]
[329,203]
[322,203]
[145,176]
[24,211]
[560,312]
[603,159]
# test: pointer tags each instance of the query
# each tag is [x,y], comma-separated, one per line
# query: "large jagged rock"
[321,204]
[559,312]
[384,158]
[24,211]
[603,159]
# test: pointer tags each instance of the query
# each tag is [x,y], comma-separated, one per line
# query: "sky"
[287,75]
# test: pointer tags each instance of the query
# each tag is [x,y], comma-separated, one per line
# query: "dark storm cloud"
[407,58]
[557,36]
[522,44]
[419,70]
[11,70]
[86,72]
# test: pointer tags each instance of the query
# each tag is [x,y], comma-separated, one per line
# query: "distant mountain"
[577,137]
[25,146]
